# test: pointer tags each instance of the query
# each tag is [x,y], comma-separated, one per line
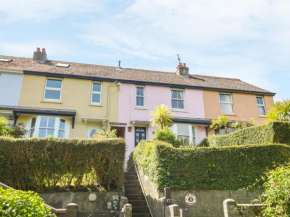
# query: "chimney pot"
[38,49]
[43,50]
[184,64]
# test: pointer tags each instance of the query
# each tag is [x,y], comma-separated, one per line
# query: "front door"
[140,134]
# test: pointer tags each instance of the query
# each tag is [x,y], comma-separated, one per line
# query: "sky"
[245,39]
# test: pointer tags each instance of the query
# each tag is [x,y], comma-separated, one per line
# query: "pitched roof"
[130,75]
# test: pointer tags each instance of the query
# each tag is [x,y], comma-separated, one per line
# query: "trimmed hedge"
[21,203]
[39,164]
[222,168]
[272,132]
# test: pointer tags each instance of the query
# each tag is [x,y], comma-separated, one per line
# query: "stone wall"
[95,204]
[209,203]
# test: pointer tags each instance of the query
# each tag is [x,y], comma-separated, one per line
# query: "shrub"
[277,191]
[166,135]
[109,134]
[17,131]
[39,164]
[222,168]
[273,132]
[21,203]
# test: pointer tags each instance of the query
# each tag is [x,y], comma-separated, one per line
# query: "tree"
[276,197]
[280,111]
[161,117]
[221,122]
[17,131]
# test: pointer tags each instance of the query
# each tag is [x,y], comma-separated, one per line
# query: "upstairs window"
[261,106]
[140,97]
[177,99]
[226,102]
[96,93]
[53,89]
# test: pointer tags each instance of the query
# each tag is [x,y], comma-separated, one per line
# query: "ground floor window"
[140,134]
[47,126]
[186,133]
[224,131]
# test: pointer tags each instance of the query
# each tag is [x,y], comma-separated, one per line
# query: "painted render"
[10,87]
[76,95]
[154,96]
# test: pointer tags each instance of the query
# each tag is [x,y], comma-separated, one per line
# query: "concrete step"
[138,203]
[133,191]
[131,177]
[132,187]
[140,209]
[135,197]
[130,174]
[132,182]
[141,215]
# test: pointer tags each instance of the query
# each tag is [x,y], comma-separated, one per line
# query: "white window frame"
[192,132]
[52,88]
[138,106]
[96,92]
[181,90]
[232,103]
[56,126]
[261,105]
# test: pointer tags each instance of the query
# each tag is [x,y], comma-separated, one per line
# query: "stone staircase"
[133,192]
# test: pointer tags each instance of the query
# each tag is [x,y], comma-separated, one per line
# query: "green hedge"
[221,168]
[21,203]
[272,132]
[39,164]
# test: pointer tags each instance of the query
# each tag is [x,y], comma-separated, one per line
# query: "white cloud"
[37,10]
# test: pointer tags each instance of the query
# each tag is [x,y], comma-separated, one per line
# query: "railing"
[225,205]
[70,210]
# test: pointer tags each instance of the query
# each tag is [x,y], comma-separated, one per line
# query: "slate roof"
[129,75]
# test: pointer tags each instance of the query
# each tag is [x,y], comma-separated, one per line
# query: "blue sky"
[246,39]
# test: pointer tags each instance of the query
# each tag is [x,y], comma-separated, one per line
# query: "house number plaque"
[190,199]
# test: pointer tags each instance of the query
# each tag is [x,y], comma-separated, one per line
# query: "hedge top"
[272,132]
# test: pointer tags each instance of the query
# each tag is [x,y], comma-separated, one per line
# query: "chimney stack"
[182,70]
[40,57]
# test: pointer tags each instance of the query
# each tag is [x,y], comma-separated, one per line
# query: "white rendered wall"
[10,87]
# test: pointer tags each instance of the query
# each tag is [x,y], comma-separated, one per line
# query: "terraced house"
[73,100]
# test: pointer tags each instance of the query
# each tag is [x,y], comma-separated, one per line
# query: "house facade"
[74,100]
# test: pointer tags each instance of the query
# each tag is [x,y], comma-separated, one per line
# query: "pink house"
[136,102]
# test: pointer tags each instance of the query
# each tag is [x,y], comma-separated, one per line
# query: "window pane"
[140,101]
[193,131]
[262,110]
[183,130]
[174,103]
[53,83]
[33,122]
[260,101]
[225,98]
[97,87]
[60,134]
[140,91]
[180,104]
[51,122]
[31,133]
[42,133]
[52,94]
[96,98]
[180,94]
[43,121]
[93,132]
[173,94]
[227,108]
[50,132]
[62,124]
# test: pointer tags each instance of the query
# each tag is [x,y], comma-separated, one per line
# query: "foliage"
[17,131]
[222,168]
[272,132]
[161,117]
[15,203]
[277,192]
[43,164]
[243,124]
[109,134]
[280,111]
[221,122]
[166,135]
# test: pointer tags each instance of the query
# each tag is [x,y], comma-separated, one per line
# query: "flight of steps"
[133,192]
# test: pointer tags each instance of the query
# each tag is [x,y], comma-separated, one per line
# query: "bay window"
[185,132]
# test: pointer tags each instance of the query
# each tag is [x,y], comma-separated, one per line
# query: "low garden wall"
[272,132]
[62,164]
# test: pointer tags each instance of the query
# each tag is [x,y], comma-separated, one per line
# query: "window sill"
[230,114]
[96,105]
[262,116]
[48,101]
[141,108]
[179,110]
